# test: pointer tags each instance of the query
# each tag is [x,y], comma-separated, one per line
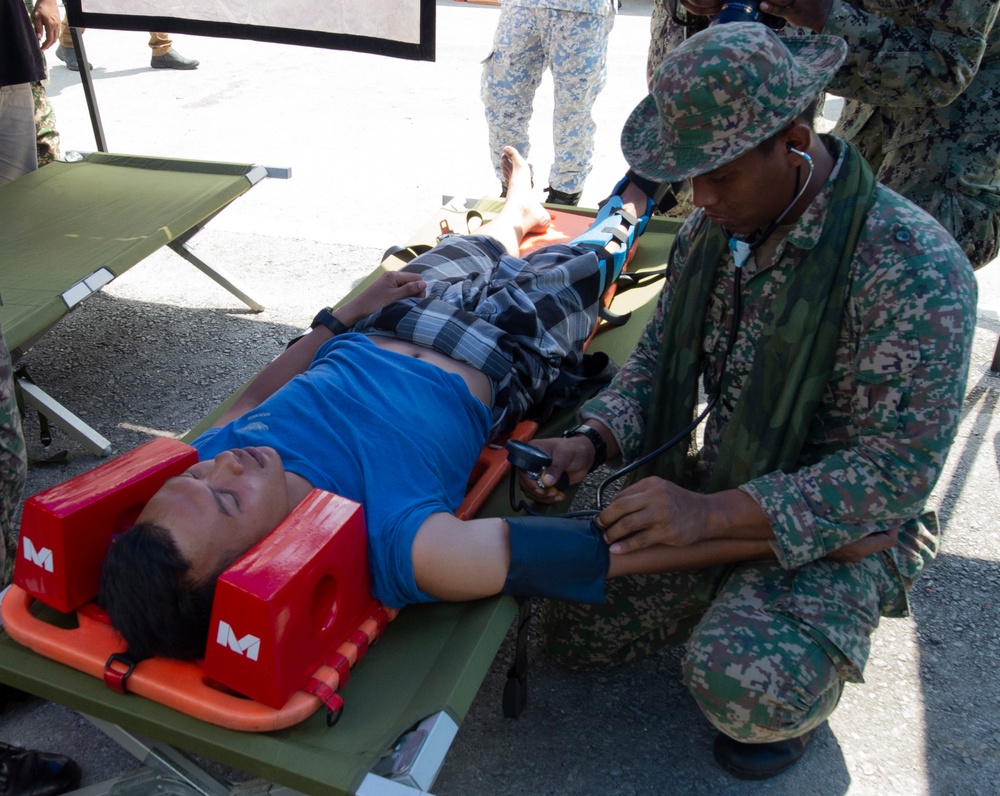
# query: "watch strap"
[591,433]
[325,317]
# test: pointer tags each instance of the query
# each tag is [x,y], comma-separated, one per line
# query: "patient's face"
[218,509]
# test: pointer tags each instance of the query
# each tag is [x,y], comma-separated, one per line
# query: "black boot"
[25,772]
[556,197]
[759,760]
[556,557]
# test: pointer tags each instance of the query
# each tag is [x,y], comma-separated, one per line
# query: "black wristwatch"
[325,318]
[591,433]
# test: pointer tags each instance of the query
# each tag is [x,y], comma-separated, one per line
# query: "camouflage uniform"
[922,81]
[664,35]
[47,137]
[770,643]
[13,465]
[569,37]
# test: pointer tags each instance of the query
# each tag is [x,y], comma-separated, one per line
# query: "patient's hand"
[389,287]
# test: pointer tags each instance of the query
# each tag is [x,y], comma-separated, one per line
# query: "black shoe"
[25,772]
[758,760]
[68,56]
[561,198]
[172,60]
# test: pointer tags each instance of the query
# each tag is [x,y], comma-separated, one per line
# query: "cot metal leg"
[413,763]
[167,771]
[183,247]
[995,367]
[409,769]
[35,397]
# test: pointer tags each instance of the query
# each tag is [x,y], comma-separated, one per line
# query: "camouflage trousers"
[767,649]
[46,134]
[13,465]
[574,46]
[954,178]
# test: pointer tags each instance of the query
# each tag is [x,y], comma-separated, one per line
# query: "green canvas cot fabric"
[113,211]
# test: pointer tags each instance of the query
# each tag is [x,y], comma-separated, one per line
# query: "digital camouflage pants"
[574,47]
[46,135]
[767,649]
[13,465]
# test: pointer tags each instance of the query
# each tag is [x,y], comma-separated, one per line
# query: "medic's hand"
[811,14]
[389,287]
[571,457]
[654,512]
[873,543]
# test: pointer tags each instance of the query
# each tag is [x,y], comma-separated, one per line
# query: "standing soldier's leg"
[46,134]
[66,52]
[164,56]
[65,37]
[160,43]
[511,74]
[579,61]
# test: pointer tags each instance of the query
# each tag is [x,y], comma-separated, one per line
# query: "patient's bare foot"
[634,200]
[517,177]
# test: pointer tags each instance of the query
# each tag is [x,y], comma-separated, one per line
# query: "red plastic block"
[66,530]
[291,601]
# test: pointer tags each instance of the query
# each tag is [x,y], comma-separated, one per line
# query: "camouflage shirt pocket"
[882,368]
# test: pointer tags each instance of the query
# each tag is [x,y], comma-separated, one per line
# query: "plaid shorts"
[522,322]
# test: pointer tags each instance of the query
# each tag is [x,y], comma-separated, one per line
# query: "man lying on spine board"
[388,401]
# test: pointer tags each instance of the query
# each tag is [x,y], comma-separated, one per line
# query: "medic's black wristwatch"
[325,318]
[600,446]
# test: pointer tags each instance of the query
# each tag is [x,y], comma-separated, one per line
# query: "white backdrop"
[400,28]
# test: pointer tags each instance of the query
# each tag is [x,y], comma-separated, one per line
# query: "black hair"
[152,600]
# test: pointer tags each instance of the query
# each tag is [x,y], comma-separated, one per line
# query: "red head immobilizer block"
[291,601]
[66,530]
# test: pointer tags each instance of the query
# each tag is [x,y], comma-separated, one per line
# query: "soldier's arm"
[925,55]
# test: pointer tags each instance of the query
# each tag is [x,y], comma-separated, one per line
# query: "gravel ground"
[161,346]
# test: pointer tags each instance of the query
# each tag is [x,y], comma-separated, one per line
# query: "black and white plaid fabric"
[520,321]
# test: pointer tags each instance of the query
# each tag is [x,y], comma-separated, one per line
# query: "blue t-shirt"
[396,434]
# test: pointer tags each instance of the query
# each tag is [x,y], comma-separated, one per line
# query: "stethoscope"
[532,461]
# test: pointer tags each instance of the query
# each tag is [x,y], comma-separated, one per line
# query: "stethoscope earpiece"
[800,153]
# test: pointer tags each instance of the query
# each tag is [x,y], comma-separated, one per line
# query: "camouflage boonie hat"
[720,94]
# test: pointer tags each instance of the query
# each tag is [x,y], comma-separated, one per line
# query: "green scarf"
[792,368]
